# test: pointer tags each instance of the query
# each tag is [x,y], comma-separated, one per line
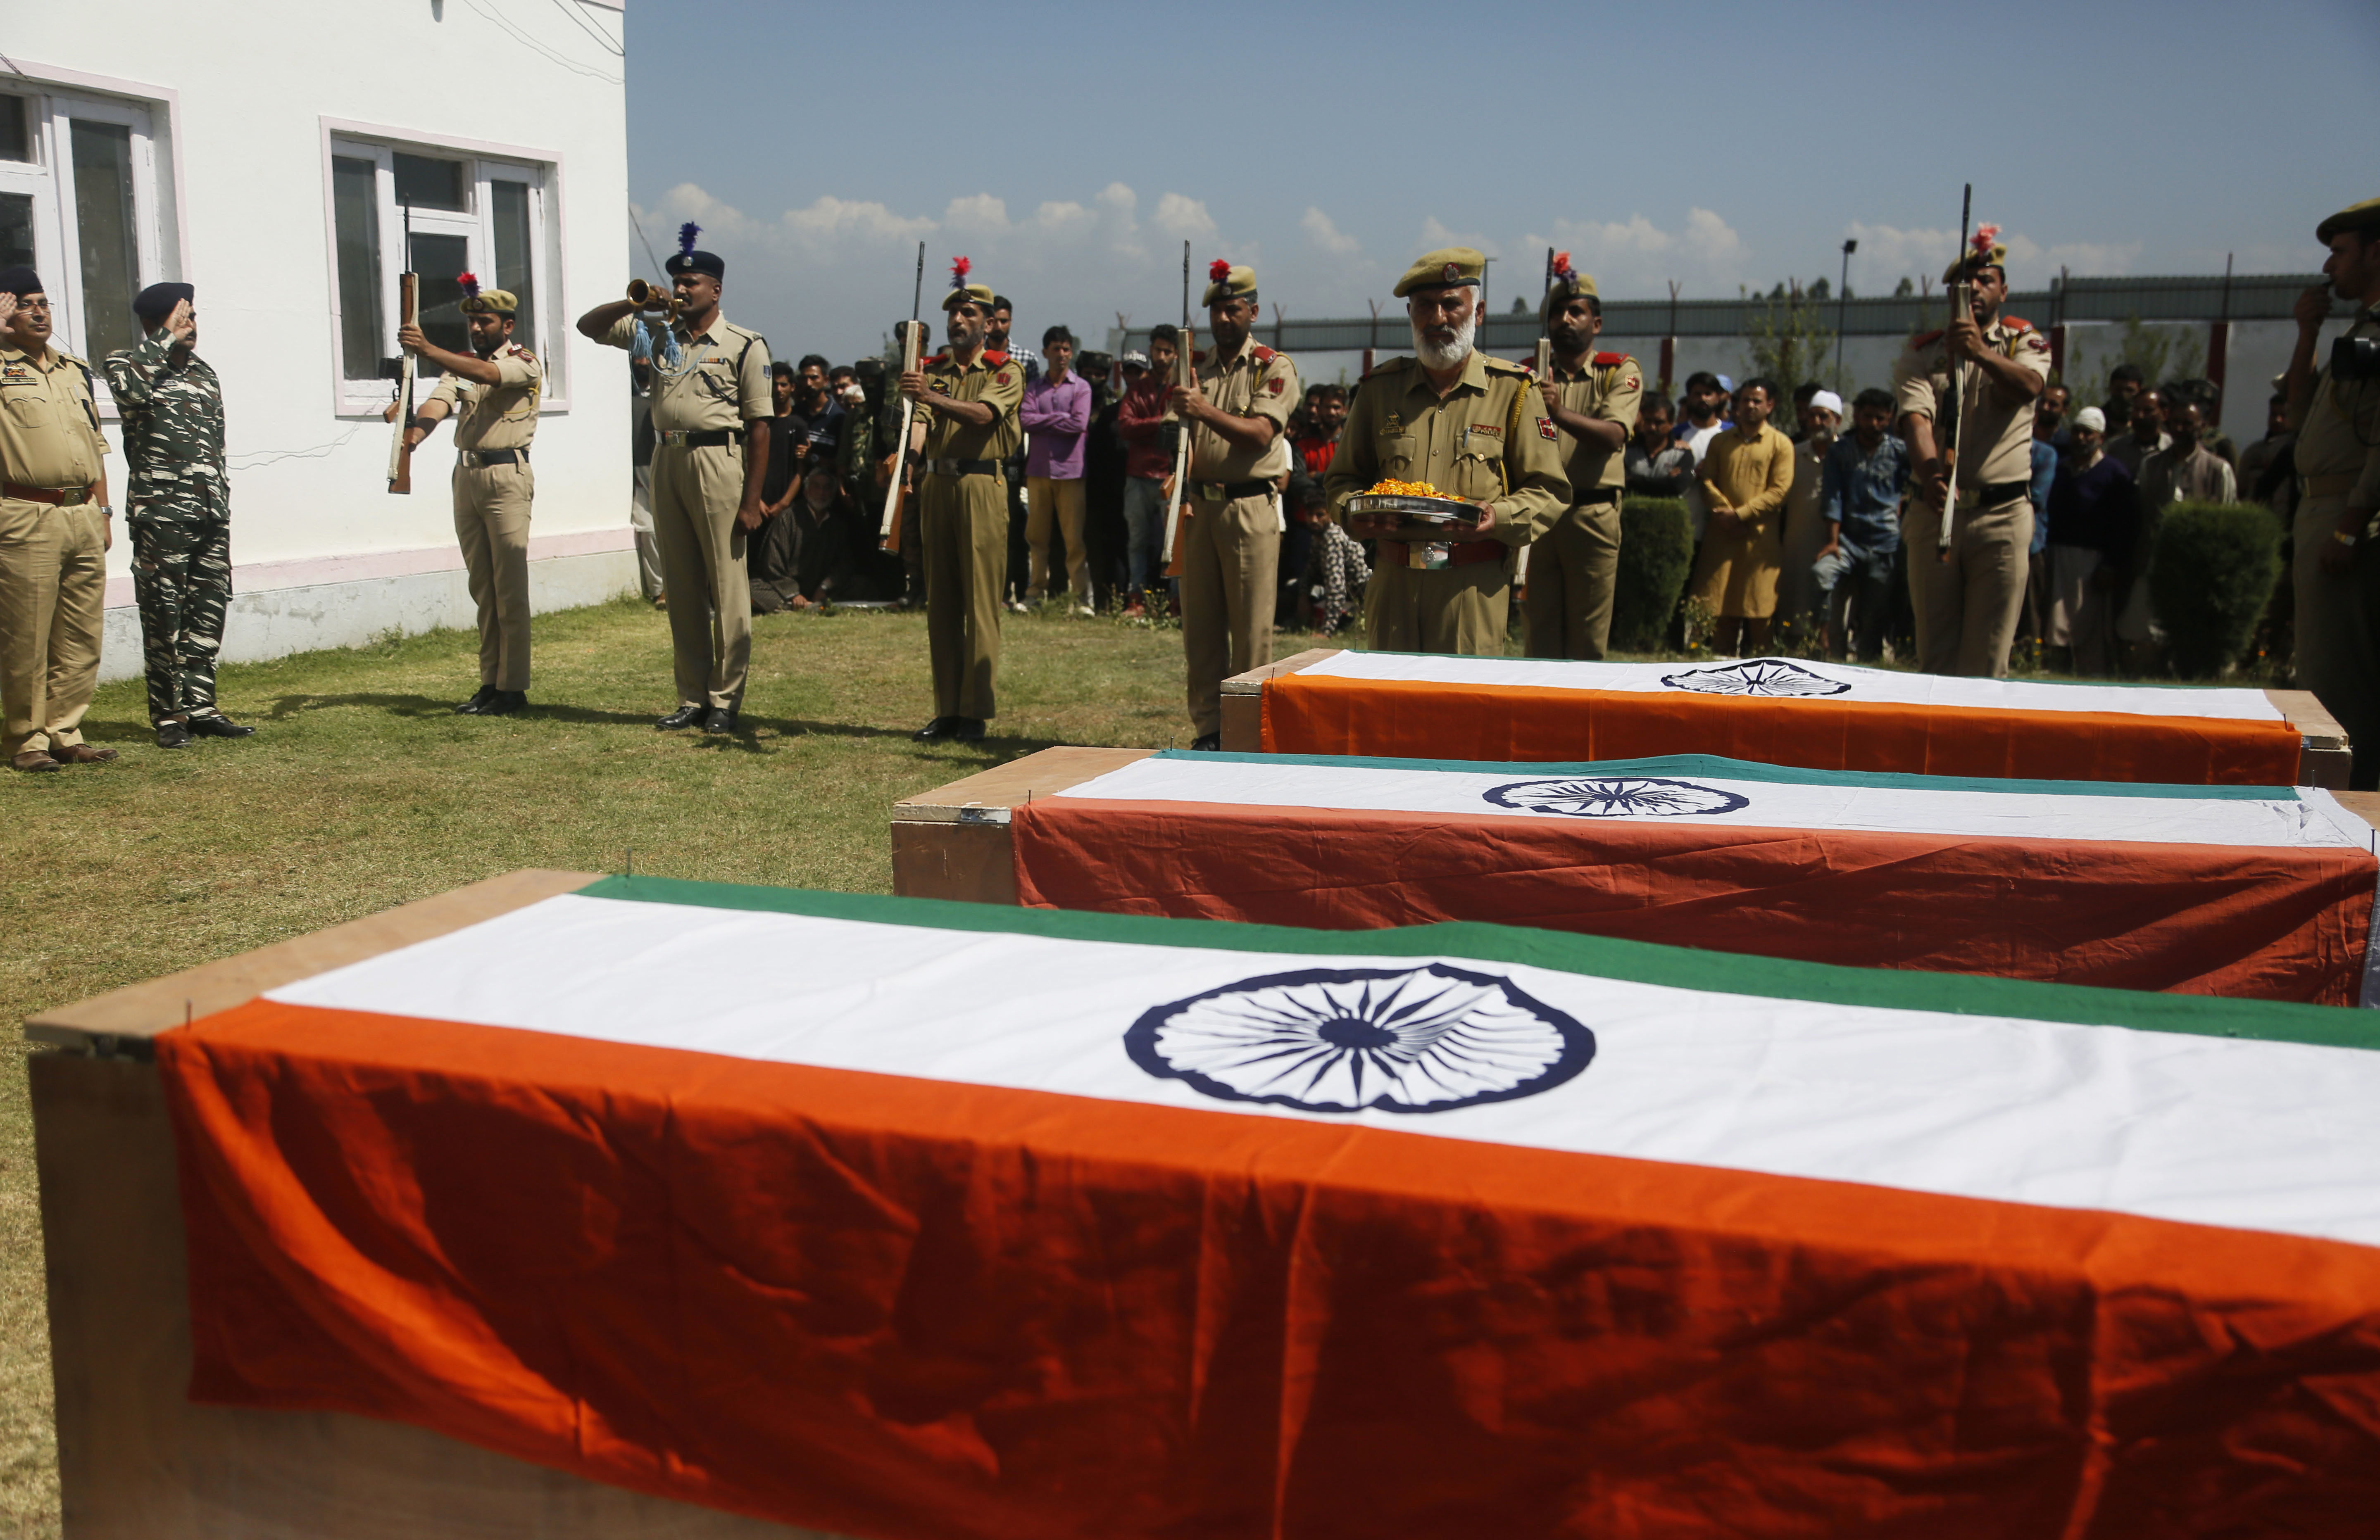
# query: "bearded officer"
[492,395]
[967,397]
[711,408]
[1473,427]
[1592,398]
[1968,599]
[1229,542]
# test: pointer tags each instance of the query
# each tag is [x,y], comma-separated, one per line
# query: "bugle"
[648,298]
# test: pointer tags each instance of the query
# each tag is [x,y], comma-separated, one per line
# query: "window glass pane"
[16,128]
[510,200]
[439,260]
[356,216]
[15,229]
[428,184]
[105,230]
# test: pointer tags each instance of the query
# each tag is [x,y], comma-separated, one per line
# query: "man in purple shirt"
[1056,414]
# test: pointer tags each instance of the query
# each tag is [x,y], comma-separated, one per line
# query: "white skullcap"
[1829,400]
[2093,418]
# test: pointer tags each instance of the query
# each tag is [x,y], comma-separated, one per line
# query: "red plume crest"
[468,283]
[1218,272]
[1561,264]
[960,268]
[1985,234]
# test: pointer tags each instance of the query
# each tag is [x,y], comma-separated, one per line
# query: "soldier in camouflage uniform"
[178,511]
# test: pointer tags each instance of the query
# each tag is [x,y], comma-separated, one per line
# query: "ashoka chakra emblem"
[1424,1040]
[1756,676]
[1617,796]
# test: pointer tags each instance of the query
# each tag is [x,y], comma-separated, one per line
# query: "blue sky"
[1329,144]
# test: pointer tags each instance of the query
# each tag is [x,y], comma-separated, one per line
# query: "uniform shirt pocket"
[1475,476]
[1396,455]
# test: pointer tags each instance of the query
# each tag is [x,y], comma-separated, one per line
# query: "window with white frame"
[78,201]
[438,214]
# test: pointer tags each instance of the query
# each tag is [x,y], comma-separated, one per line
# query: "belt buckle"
[73,497]
[1211,491]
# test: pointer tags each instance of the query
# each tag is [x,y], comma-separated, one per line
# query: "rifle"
[1961,304]
[409,292]
[889,529]
[1545,372]
[1184,374]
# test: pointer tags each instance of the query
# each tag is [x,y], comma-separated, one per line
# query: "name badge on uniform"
[1483,431]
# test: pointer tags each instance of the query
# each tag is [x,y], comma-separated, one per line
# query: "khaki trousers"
[1459,609]
[1044,497]
[1967,606]
[963,530]
[53,603]
[2335,656]
[1231,554]
[695,496]
[1572,571]
[491,506]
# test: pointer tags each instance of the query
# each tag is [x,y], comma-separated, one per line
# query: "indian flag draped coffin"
[1778,710]
[2217,889]
[928,1221]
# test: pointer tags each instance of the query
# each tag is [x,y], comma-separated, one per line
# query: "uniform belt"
[2339,485]
[961,468]
[476,459]
[1596,497]
[698,438]
[1991,494]
[64,497]
[1231,492]
[1463,554]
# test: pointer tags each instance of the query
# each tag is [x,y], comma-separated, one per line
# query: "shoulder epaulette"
[1610,360]
[1264,354]
[994,357]
[1391,366]
[2015,323]
[1927,339]
[1498,366]
[942,357]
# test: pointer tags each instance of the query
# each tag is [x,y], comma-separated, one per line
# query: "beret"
[1450,267]
[979,294]
[153,304]
[2356,218]
[20,282]
[503,302]
[1568,287]
[1994,256]
[694,261]
[1232,283]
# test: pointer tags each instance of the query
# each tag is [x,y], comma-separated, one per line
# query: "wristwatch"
[2343,540]
[107,510]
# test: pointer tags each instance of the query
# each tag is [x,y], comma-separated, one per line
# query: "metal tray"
[1421,510]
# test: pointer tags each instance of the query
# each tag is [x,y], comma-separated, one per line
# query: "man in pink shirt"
[1148,461]
[1056,414]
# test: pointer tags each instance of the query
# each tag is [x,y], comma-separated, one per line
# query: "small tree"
[1789,340]
[2212,570]
[1657,547]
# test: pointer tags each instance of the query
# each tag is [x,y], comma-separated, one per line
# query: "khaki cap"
[1449,267]
[2356,218]
[1568,285]
[979,294]
[503,302]
[1229,283]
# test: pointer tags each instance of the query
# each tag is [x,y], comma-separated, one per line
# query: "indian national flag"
[922,1221]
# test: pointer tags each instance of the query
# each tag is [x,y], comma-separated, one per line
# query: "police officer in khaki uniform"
[711,406]
[1967,605]
[1229,544]
[1472,427]
[54,536]
[2334,571]
[1593,400]
[492,393]
[967,398]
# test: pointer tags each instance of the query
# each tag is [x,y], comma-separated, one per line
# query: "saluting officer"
[710,393]
[492,394]
[178,510]
[53,536]
[1473,427]
[966,396]
[1967,605]
[1593,400]
[1229,542]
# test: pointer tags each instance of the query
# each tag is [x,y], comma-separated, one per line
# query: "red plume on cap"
[960,268]
[1218,272]
[686,234]
[1984,236]
[1561,264]
[468,283]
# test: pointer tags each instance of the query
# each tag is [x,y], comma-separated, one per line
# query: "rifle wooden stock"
[1952,423]
[400,453]
[896,502]
[1177,505]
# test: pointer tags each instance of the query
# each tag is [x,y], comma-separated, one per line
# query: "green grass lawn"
[361,790]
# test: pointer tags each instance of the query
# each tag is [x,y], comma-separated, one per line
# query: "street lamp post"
[1843,308]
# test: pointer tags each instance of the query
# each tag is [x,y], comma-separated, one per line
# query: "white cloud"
[1887,255]
[1327,236]
[1635,256]
[1184,218]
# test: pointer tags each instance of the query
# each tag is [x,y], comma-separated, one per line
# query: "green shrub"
[2211,571]
[1657,546]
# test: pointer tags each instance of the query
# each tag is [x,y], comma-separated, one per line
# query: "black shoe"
[218,726]
[503,703]
[966,730]
[172,734]
[721,720]
[682,718]
[1207,742]
[938,728]
[479,702]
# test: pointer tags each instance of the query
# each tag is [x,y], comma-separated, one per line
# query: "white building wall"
[243,101]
